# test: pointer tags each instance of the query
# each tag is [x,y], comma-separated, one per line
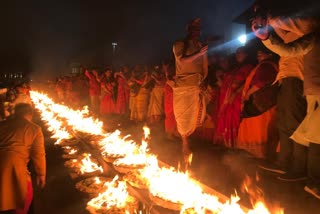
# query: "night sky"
[45,37]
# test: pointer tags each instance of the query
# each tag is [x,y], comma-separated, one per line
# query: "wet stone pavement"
[221,169]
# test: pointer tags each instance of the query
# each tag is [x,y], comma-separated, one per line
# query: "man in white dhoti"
[191,69]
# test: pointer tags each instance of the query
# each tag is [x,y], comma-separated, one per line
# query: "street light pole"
[114,45]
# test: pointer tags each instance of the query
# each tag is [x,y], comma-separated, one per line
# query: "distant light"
[242,39]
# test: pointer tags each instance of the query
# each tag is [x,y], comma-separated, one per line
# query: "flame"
[116,195]
[44,103]
[146,132]
[87,166]
[173,186]
[140,157]
[70,149]
[73,151]
[97,180]
[114,145]
[188,161]
[166,183]
[256,197]
[190,158]
[135,160]
[79,120]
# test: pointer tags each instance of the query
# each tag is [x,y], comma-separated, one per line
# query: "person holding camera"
[306,153]
[291,103]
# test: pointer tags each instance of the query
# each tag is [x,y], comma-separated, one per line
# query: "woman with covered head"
[122,77]
[230,100]
[259,134]
[156,103]
[140,94]
[191,69]
[108,102]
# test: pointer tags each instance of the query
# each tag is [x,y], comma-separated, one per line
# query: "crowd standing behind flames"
[230,100]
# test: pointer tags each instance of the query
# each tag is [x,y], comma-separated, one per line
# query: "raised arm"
[178,52]
[298,47]
[301,46]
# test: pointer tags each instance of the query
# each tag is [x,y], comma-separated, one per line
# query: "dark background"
[45,37]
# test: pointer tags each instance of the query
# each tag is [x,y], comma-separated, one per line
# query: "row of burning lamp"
[163,182]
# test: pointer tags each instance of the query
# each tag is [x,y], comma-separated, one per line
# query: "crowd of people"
[146,94]
[12,95]
[266,103]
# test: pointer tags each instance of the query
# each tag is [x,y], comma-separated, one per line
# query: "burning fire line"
[166,183]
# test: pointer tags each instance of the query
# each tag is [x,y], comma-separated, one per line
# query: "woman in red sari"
[108,84]
[215,97]
[230,100]
[122,105]
[259,135]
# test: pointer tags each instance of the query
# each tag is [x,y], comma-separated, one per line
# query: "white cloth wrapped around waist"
[189,108]
[188,80]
